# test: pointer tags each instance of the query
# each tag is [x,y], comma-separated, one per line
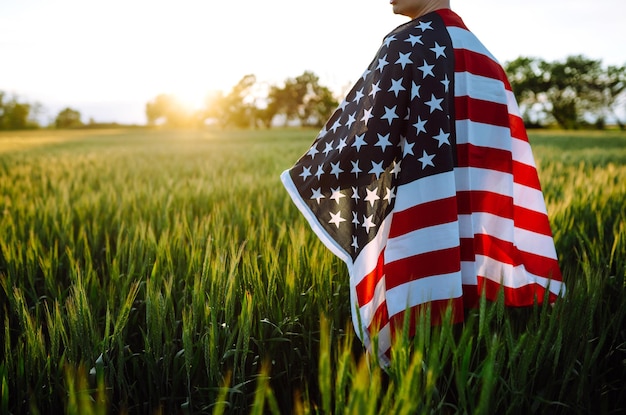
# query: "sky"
[108,58]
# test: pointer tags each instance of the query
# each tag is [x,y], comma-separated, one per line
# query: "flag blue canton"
[394,126]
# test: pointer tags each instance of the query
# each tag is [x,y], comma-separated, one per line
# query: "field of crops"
[149,271]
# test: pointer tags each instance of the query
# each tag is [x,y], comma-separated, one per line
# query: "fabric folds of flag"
[423,182]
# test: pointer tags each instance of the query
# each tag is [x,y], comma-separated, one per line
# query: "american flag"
[423,182]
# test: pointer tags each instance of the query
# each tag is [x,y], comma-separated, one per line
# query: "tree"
[68,118]
[574,89]
[16,115]
[570,91]
[613,92]
[303,99]
[166,109]
[237,108]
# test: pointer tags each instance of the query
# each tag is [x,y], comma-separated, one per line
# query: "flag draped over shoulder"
[424,184]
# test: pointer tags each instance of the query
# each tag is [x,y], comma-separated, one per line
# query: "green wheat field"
[168,272]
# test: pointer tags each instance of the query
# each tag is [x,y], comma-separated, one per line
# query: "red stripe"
[492,247]
[541,265]
[450,18]
[502,206]
[525,175]
[484,158]
[478,110]
[428,264]
[518,130]
[513,297]
[478,64]
[483,201]
[365,288]
[507,253]
[423,215]
[531,221]
[467,249]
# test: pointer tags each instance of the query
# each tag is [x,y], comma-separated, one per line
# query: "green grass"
[168,272]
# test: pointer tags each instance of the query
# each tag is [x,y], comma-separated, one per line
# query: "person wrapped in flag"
[423,182]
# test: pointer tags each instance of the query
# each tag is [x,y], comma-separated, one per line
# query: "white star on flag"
[319,172]
[404,59]
[329,148]
[420,125]
[336,218]
[426,160]
[317,195]
[442,138]
[375,90]
[383,141]
[434,104]
[389,195]
[396,86]
[306,172]
[427,70]
[439,51]
[382,62]
[372,196]
[390,114]
[415,90]
[337,195]
[359,95]
[377,169]
[414,39]
[423,26]
[368,223]
[335,169]
[359,141]
[367,114]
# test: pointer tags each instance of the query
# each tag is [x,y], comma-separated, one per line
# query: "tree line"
[576,92]
[249,104]
[16,114]
[573,93]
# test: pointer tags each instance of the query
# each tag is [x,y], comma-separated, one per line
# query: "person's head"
[417,8]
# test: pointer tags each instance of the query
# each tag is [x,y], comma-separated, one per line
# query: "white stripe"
[433,238]
[384,340]
[483,135]
[510,276]
[464,39]
[529,198]
[512,104]
[468,273]
[384,344]
[535,243]
[424,190]
[522,152]
[480,87]
[493,136]
[477,179]
[482,223]
[424,290]
[466,229]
